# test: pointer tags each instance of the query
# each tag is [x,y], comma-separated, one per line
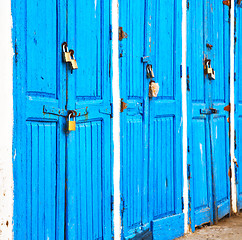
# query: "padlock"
[209,71]
[150,72]
[66,55]
[73,60]
[153,89]
[71,125]
[211,75]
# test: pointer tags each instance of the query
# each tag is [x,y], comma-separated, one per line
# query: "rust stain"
[227,108]
[122,35]
[209,46]
[230,172]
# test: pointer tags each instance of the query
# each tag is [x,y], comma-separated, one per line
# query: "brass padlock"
[73,60]
[71,125]
[150,72]
[65,53]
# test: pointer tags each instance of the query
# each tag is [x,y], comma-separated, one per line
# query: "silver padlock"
[150,72]
[209,70]
[153,89]
[211,75]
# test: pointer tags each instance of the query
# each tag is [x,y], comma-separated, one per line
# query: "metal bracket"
[208,111]
[54,111]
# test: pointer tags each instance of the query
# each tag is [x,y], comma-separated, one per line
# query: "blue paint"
[151,139]
[208,134]
[63,183]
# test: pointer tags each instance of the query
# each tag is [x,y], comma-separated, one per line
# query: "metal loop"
[65,47]
[72,53]
[71,113]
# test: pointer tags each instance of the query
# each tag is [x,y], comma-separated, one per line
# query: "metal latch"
[121,34]
[208,111]
[123,105]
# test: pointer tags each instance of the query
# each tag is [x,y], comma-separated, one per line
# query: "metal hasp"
[121,34]
[123,105]
[62,112]
[208,111]
[227,3]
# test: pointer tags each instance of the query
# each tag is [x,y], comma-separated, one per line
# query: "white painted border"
[232,137]
[116,120]
[184,112]
[6,122]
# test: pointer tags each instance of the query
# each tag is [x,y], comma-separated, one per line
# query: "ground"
[227,228]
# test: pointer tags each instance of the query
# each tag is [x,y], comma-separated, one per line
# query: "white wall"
[6,121]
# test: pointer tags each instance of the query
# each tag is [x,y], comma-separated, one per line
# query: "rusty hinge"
[227,108]
[227,3]
[121,34]
[239,2]
[123,105]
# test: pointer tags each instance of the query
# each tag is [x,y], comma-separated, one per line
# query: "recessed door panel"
[39,138]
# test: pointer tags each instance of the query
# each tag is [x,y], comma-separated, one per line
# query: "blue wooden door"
[39,138]
[220,38]
[165,174]
[208,142]
[150,128]
[133,124]
[88,173]
[63,181]
[238,103]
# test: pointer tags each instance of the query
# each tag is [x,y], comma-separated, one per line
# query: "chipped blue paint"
[208,23]
[63,181]
[151,182]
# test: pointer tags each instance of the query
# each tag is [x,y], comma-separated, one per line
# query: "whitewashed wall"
[6,121]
